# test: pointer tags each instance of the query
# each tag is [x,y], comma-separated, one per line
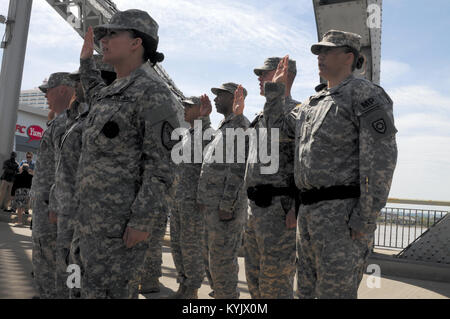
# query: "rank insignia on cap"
[379,126]
[111,129]
[166,136]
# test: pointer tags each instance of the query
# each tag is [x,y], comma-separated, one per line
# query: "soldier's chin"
[322,73]
[107,59]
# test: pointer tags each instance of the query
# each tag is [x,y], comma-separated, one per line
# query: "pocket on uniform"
[114,231]
[112,124]
[320,114]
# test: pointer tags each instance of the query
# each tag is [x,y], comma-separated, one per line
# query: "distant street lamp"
[2,19]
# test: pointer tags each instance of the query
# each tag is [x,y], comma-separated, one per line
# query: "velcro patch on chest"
[111,129]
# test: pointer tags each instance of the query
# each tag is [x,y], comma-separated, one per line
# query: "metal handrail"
[418,202]
[398,227]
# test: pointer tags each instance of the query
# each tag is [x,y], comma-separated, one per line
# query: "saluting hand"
[238,102]
[205,105]
[87,51]
[281,74]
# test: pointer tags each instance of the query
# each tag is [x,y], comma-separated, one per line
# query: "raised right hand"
[239,101]
[205,105]
[87,51]
[281,74]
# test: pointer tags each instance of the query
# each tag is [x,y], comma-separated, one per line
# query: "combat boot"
[151,286]
[179,294]
[190,293]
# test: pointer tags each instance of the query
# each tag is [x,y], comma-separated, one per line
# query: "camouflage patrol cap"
[193,100]
[272,64]
[103,67]
[228,87]
[132,19]
[57,79]
[335,38]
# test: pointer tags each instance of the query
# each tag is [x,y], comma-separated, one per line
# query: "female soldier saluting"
[124,172]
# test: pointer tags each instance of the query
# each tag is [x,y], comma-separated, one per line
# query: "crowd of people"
[105,180]
[15,186]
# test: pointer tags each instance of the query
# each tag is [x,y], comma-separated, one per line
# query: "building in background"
[33,97]
[31,122]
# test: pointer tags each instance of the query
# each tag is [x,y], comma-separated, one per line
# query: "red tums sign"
[35,133]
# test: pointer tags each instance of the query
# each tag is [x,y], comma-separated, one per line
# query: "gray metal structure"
[14,47]
[359,16]
[433,246]
[82,14]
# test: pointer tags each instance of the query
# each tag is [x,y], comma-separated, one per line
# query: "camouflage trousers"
[187,235]
[206,259]
[330,263]
[151,268]
[75,258]
[224,240]
[111,271]
[64,255]
[269,253]
[44,264]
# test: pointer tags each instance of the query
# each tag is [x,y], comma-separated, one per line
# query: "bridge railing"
[397,227]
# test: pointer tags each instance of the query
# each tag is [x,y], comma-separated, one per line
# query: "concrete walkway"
[15,262]
[16,281]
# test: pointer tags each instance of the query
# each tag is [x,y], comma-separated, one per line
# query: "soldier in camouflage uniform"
[269,240]
[219,196]
[187,223]
[151,268]
[345,156]
[125,169]
[58,90]
[62,196]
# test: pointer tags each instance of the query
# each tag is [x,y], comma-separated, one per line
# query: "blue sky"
[210,42]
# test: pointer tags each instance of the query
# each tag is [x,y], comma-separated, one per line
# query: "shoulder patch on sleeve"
[369,104]
[166,136]
[379,124]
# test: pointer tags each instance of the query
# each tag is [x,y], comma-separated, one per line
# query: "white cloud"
[393,70]
[420,97]
[420,123]
[217,29]
[49,30]
[422,168]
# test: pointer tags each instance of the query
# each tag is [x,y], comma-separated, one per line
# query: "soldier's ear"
[349,59]
[137,42]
